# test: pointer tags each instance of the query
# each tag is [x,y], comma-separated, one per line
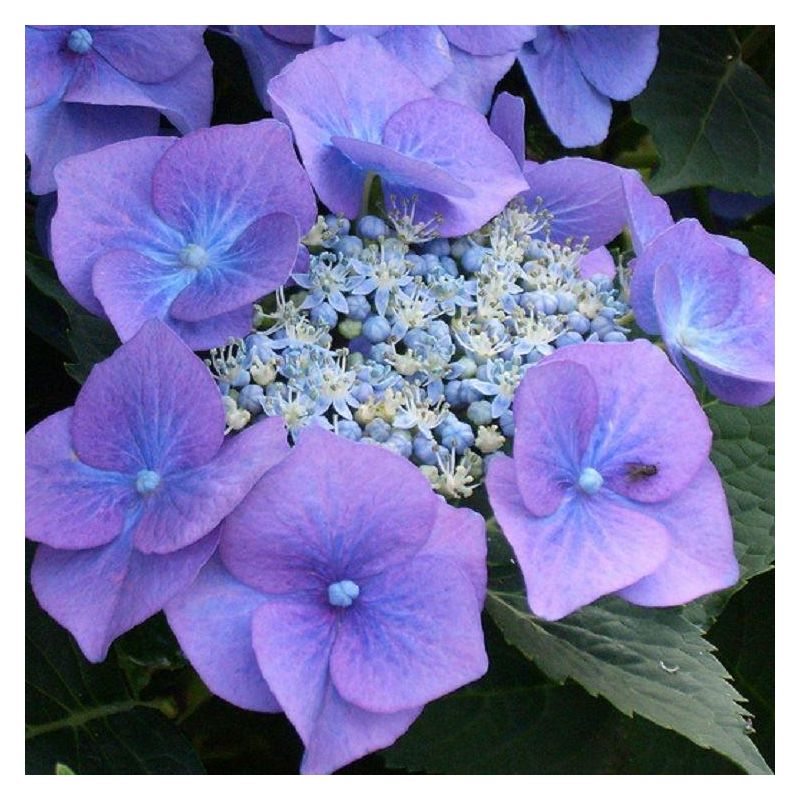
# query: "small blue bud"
[471,260]
[590,480]
[578,323]
[438,247]
[250,398]
[431,261]
[378,351]
[358,307]
[338,224]
[324,314]
[379,429]
[350,246]
[419,267]
[614,336]
[362,391]
[399,444]
[349,429]
[601,325]
[507,423]
[458,436]
[452,393]
[424,449]
[371,227]
[79,41]
[547,303]
[415,337]
[342,593]
[566,302]
[468,394]
[602,282]
[376,329]
[480,412]
[569,338]
[534,356]
[449,266]
[147,481]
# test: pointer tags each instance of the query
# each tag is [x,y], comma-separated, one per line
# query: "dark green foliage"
[711,116]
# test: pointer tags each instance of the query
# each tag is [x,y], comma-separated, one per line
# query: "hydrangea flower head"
[713,306]
[610,488]
[86,87]
[125,489]
[574,72]
[356,110]
[347,593]
[191,231]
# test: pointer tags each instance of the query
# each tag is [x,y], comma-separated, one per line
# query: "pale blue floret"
[342,593]
[456,323]
[193,256]
[147,481]
[79,41]
[590,480]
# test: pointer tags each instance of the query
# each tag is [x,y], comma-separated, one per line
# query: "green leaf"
[84,715]
[91,338]
[514,721]
[760,241]
[650,662]
[711,116]
[743,451]
[63,769]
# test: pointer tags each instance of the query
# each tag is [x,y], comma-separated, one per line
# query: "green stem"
[79,718]
[366,192]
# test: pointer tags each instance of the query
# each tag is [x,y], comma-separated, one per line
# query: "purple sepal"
[584,196]
[701,557]
[100,593]
[507,121]
[212,620]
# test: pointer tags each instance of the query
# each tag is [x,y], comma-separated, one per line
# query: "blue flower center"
[590,480]
[193,256]
[342,593]
[147,481]
[79,41]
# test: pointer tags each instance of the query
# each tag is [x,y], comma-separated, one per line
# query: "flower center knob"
[79,41]
[590,480]
[342,593]
[147,481]
[193,256]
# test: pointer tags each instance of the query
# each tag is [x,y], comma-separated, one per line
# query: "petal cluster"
[574,72]
[86,87]
[190,231]
[124,490]
[349,605]
[610,488]
[714,306]
[355,110]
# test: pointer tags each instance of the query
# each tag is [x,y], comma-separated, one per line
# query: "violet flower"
[347,593]
[712,305]
[574,72]
[191,231]
[355,110]
[462,63]
[610,488]
[124,490]
[86,87]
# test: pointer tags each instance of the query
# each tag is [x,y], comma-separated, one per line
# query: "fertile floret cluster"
[417,343]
